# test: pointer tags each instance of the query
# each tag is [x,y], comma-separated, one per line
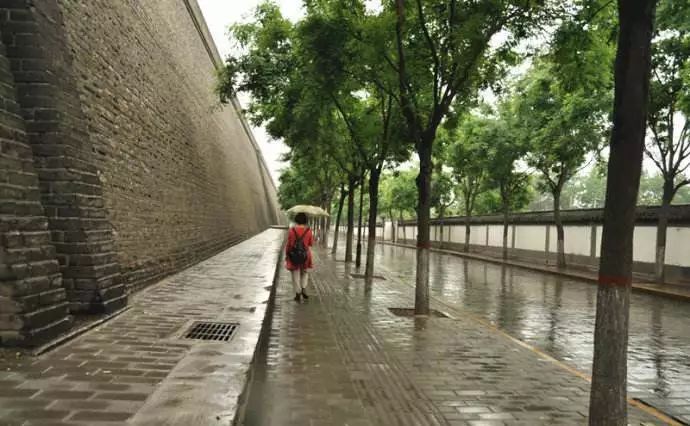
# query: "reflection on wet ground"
[557,315]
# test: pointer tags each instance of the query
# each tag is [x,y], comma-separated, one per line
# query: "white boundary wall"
[578,239]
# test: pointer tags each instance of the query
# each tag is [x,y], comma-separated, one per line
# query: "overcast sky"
[219,15]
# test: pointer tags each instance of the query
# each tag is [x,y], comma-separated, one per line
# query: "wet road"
[557,315]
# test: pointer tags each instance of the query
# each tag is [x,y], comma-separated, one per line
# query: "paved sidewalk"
[343,358]
[137,362]
[675,291]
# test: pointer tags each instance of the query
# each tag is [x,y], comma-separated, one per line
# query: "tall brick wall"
[71,191]
[118,164]
[180,177]
[32,297]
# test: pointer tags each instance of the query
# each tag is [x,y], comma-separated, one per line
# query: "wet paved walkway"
[343,358]
[557,315]
[138,363]
[641,282]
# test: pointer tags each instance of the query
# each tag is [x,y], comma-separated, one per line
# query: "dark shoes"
[302,295]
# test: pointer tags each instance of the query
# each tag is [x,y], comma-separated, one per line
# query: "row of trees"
[584,191]
[352,89]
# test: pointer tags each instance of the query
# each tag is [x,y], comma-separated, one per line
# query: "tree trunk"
[468,212]
[350,219]
[560,234]
[358,258]
[608,398]
[394,226]
[327,222]
[505,232]
[404,228]
[421,302]
[337,219]
[373,209]
[440,224]
[466,247]
[661,229]
[324,227]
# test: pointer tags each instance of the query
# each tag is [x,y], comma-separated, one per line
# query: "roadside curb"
[264,335]
[641,288]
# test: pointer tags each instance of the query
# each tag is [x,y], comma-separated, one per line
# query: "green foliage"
[442,192]
[583,191]
[651,191]
[488,202]
[269,57]
[466,156]
[294,188]
[503,155]
[443,53]
[669,105]
[312,85]
[399,193]
[560,125]
[307,180]
[582,50]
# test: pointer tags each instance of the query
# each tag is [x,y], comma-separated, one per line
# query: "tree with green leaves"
[326,99]
[669,108]
[442,196]
[652,191]
[443,56]
[341,44]
[386,206]
[488,200]
[403,196]
[274,67]
[467,158]
[512,185]
[309,180]
[561,123]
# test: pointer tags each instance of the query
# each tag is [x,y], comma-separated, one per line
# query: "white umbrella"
[313,211]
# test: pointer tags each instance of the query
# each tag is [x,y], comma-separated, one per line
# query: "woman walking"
[298,259]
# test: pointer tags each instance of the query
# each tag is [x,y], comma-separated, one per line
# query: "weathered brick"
[28,266]
[12,240]
[52,296]
[126,139]
[45,315]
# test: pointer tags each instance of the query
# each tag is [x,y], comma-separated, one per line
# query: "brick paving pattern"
[557,316]
[106,375]
[343,358]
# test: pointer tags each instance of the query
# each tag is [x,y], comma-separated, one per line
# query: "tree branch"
[684,141]
[432,48]
[659,145]
[350,128]
[659,165]
[406,105]
[681,184]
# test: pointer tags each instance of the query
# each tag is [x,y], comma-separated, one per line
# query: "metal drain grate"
[215,331]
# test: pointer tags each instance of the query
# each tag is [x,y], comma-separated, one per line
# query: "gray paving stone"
[405,371]
[106,375]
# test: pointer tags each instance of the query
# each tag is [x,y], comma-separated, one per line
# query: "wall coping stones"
[679,215]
